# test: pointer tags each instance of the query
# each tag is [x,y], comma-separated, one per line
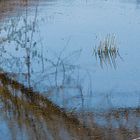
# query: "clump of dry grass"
[107,45]
[107,51]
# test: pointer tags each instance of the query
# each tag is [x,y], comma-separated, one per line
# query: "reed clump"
[107,51]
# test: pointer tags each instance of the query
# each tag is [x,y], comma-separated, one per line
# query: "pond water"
[82,55]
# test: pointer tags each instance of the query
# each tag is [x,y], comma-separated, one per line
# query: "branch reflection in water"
[31,115]
[28,115]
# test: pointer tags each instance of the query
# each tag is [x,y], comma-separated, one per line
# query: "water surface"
[58,58]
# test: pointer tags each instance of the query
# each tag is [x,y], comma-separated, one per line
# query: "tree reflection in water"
[31,115]
[34,116]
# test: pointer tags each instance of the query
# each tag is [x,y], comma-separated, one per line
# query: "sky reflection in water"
[65,69]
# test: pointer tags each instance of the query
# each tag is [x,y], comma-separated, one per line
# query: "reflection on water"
[47,48]
[28,115]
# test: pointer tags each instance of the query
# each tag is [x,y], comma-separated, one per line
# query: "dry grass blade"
[107,51]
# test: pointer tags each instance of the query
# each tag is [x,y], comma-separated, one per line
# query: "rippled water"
[63,57]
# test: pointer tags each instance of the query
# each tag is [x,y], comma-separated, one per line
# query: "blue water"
[68,31]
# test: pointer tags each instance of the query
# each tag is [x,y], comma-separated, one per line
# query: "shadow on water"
[138,4]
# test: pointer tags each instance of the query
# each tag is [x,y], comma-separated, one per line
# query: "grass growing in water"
[107,51]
